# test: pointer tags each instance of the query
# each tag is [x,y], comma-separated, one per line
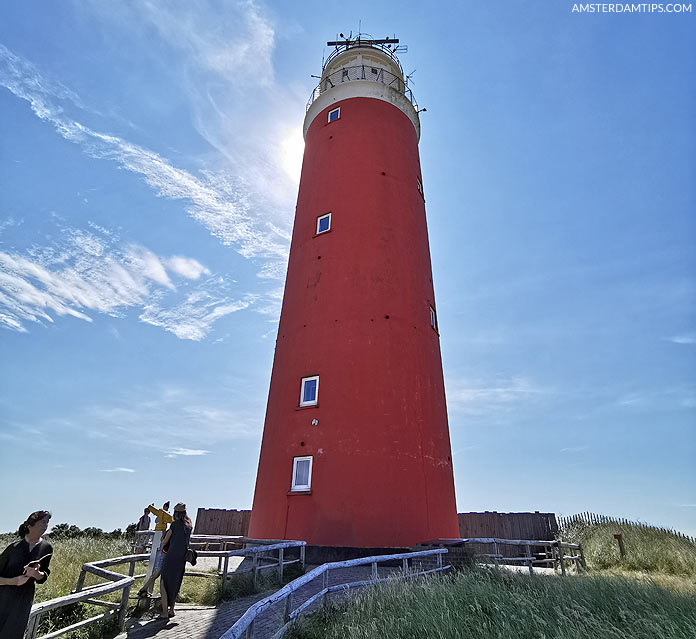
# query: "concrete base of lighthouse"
[323,554]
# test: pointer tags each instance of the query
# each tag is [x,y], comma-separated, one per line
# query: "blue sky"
[148,172]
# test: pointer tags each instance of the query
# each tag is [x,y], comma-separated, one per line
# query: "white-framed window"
[433,318]
[301,473]
[324,223]
[334,114]
[309,391]
[419,186]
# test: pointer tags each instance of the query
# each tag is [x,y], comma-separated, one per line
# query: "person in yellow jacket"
[163,519]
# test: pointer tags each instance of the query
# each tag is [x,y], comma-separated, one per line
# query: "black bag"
[191,556]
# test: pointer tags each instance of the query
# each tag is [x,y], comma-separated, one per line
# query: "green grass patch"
[648,550]
[497,604]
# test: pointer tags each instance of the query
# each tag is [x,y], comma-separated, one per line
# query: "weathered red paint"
[356,312]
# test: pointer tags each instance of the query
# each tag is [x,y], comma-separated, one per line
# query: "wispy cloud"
[689,338]
[193,318]
[117,470]
[478,397]
[218,201]
[186,452]
[186,267]
[85,272]
[574,449]
[671,398]
[176,421]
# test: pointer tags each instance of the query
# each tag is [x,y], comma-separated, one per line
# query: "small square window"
[334,114]
[324,223]
[433,318]
[301,473]
[309,391]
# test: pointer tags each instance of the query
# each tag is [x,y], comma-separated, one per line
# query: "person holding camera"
[23,564]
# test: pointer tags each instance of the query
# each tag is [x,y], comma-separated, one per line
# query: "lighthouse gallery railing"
[365,73]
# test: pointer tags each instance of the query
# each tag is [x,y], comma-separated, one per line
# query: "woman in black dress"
[175,544]
[22,564]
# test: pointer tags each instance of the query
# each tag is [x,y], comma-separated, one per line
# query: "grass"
[496,604]
[648,594]
[648,550]
[66,564]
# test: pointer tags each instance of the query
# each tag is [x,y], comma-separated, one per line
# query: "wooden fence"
[261,551]
[534,525]
[244,626]
[593,519]
[218,521]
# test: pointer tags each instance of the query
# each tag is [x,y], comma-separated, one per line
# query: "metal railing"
[366,73]
[244,626]
[261,550]
[358,43]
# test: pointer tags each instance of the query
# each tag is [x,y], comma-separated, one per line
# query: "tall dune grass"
[496,604]
[648,549]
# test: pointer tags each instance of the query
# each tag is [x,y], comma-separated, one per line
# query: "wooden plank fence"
[536,525]
[218,521]
[594,519]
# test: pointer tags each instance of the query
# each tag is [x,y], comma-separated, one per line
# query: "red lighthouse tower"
[356,449]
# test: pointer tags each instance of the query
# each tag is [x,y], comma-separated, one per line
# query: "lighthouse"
[356,450]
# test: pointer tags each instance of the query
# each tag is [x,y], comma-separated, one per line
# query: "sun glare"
[291,150]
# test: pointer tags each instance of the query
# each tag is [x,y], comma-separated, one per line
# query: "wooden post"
[33,626]
[622,548]
[224,571]
[302,557]
[529,554]
[374,570]
[81,580]
[404,566]
[255,569]
[280,566]
[583,563]
[123,608]
[439,560]
[288,608]
[561,559]
[324,586]
[250,630]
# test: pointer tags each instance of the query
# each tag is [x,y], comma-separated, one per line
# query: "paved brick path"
[200,622]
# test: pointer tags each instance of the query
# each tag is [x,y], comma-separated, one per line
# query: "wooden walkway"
[200,622]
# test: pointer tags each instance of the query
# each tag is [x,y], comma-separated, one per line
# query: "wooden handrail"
[124,582]
[246,621]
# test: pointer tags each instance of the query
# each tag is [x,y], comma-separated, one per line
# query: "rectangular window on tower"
[324,223]
[334,114]
[433,318]
[309,391]
[301,473]
[419,186]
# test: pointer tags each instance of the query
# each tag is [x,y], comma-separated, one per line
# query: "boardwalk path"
[199,622]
